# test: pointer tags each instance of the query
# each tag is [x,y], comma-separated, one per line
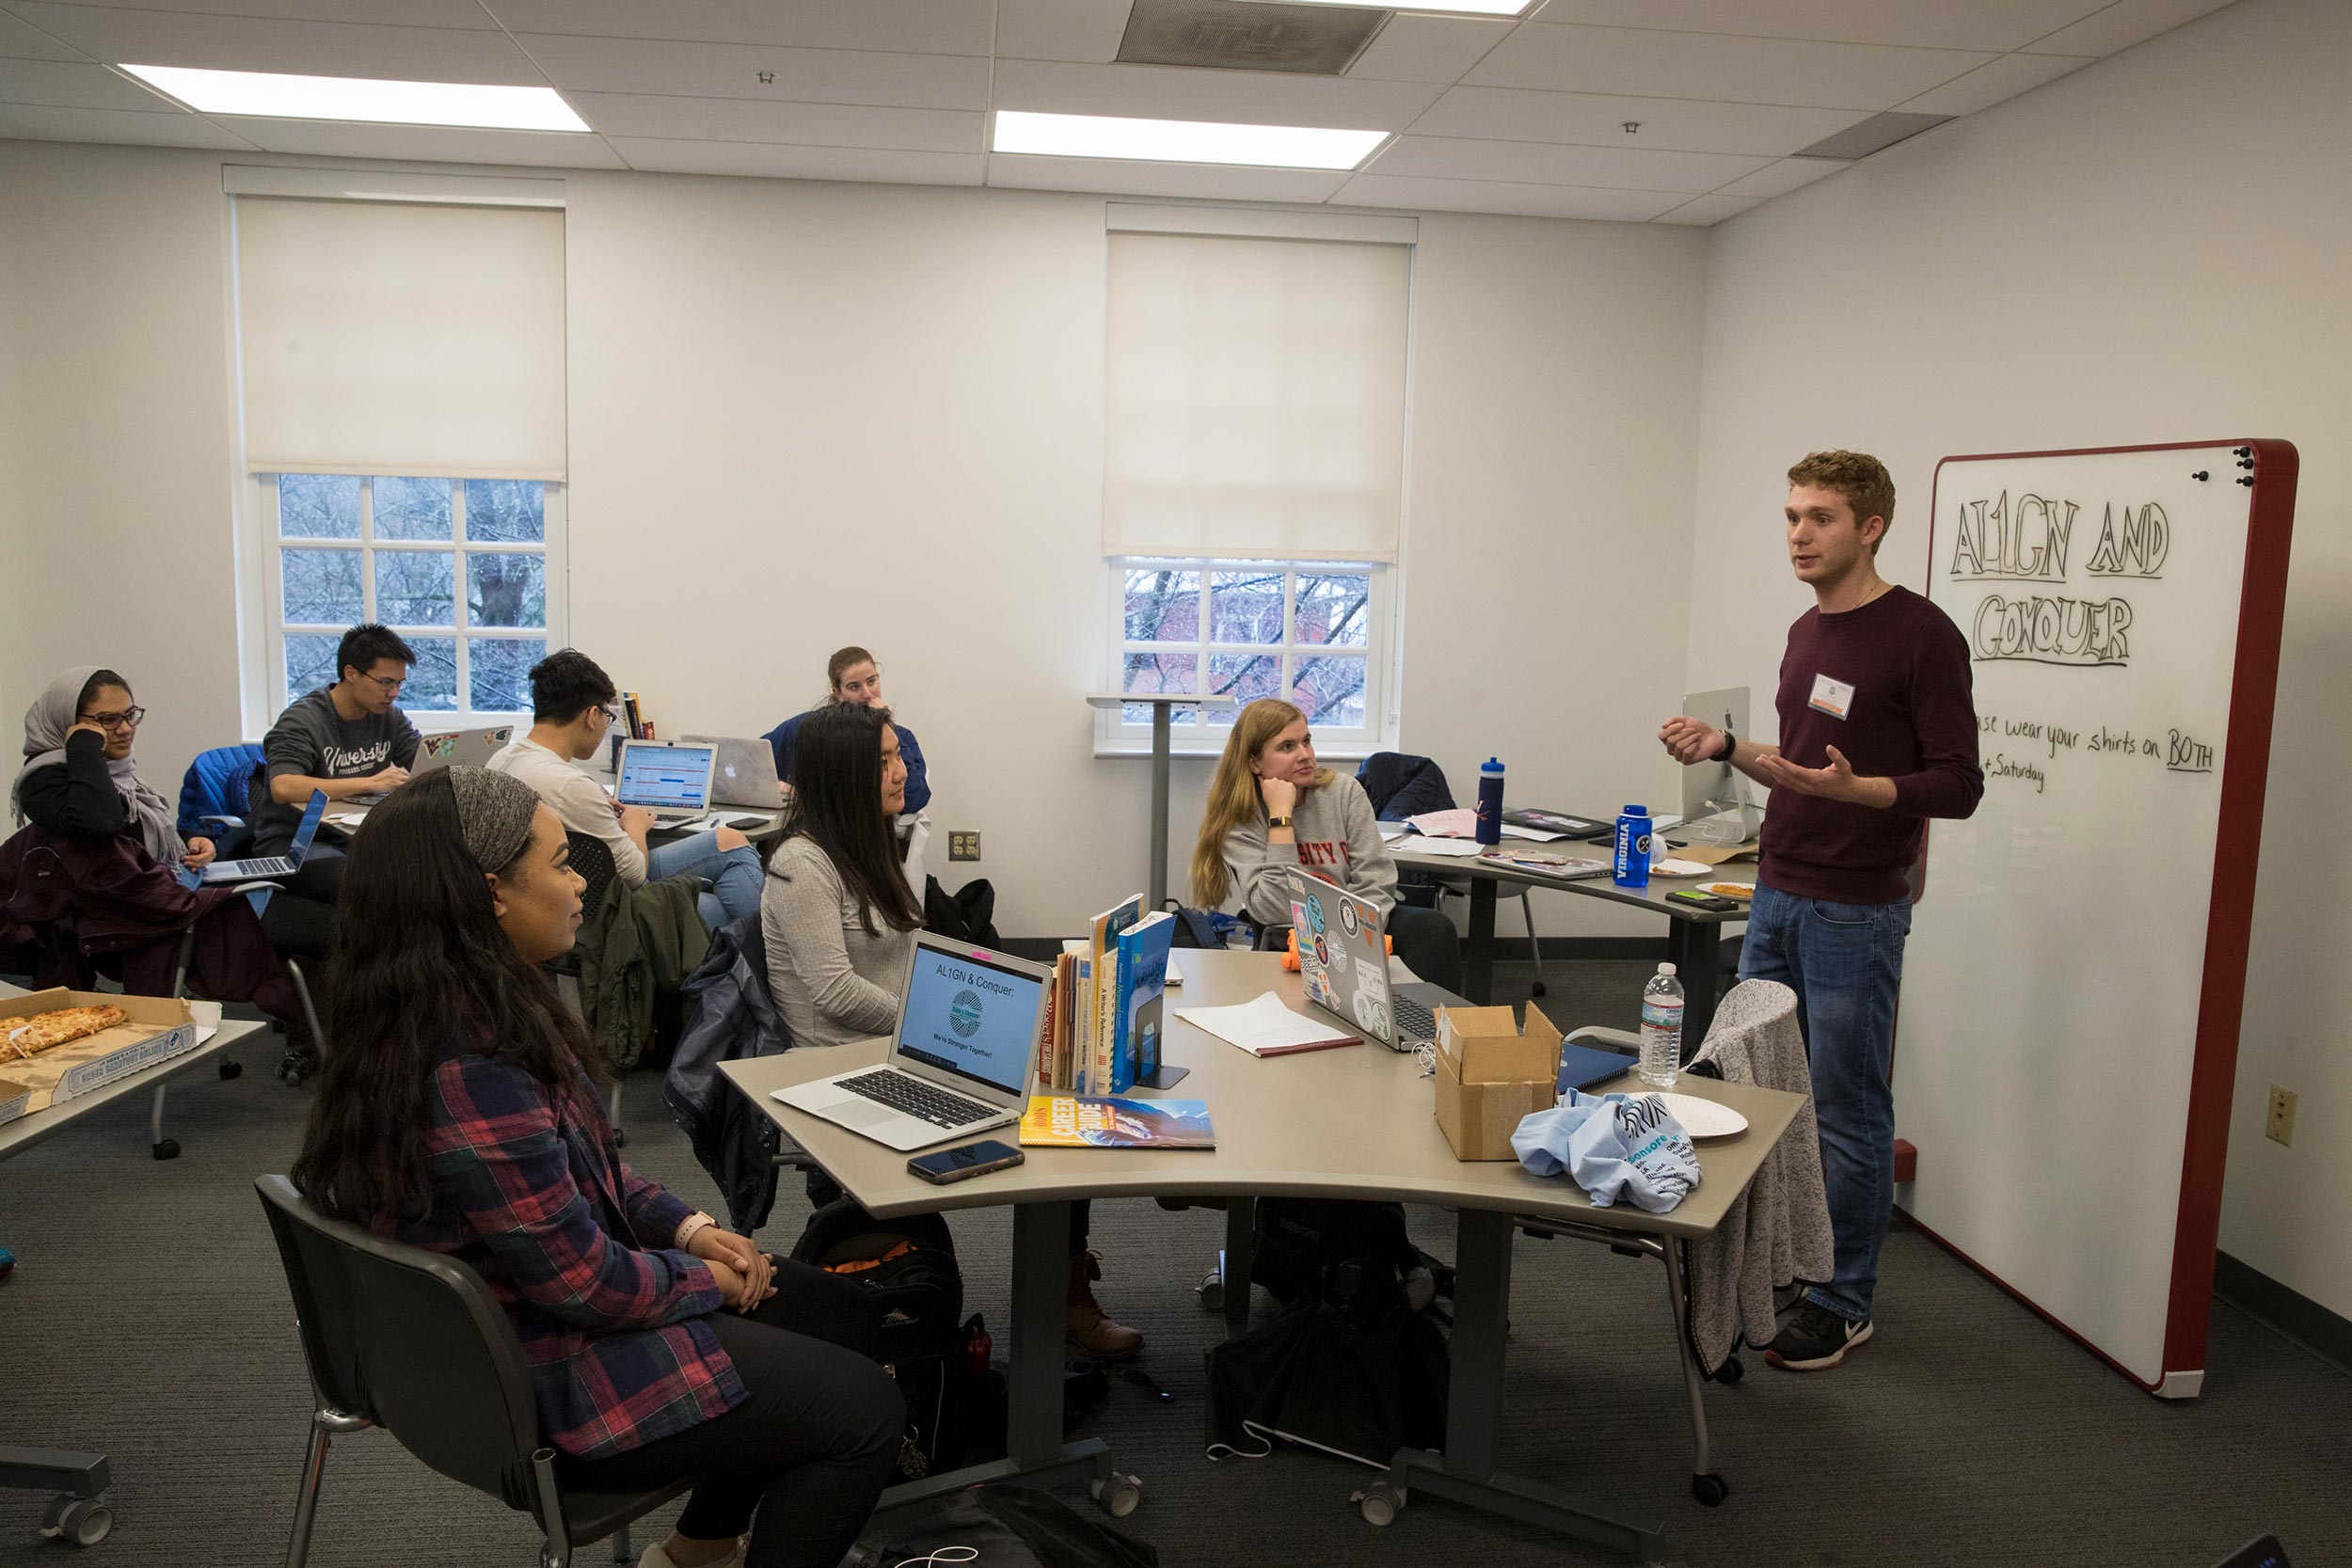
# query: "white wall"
[809,414]
[2151,249]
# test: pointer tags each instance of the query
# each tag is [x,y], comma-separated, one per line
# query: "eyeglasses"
[128,720]
[612,712]
[392,686]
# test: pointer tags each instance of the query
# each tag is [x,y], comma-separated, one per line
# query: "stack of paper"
[1267,1028]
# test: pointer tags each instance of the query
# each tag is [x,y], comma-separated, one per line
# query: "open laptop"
[263,868]
[1345,964]
[744,773]
[962,1059]
[668,779]
[464,748]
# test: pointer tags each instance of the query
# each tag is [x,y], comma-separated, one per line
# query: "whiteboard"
[2068,1022]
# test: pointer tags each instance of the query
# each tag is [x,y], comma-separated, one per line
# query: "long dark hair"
[836,802]
[419,966]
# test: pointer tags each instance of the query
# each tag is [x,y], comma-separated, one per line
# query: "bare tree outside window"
[1303,631]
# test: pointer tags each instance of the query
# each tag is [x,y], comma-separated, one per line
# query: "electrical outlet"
[2280,1126]
[963,847]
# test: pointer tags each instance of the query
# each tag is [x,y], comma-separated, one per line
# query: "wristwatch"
[1731,744]
[691,1224]
[1274,822]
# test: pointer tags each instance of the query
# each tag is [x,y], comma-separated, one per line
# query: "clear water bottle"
[1490,802]
[1662,1029]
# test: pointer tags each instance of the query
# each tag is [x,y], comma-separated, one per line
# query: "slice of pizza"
[29,1037]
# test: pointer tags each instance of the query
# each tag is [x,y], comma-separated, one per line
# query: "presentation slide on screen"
[970,1019]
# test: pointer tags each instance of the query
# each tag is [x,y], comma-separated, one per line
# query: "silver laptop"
[963,1060]
[1717,806]
[263,868]
[1345,964]
[744,773]
[669,778]
[464,747]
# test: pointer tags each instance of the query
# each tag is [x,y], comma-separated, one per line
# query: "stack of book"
[1103,1023]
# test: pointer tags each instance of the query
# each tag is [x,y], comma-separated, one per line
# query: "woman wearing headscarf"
[79,779]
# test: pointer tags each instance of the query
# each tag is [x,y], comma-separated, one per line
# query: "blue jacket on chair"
[215,785]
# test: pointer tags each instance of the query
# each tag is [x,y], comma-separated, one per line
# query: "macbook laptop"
[1346,966]
[670,780]
[263,868]
[962,1059]
[466,748]
[744,773]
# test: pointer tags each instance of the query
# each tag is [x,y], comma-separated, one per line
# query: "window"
[459,567]
[1308,632]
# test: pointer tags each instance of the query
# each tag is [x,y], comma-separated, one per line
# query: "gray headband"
[494,812]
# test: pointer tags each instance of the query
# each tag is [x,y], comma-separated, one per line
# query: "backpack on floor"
[907,1266]
[1350,1254]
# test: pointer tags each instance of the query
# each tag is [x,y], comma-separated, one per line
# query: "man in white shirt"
[572,712]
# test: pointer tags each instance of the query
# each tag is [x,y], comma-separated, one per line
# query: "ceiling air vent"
[1874,134]
[1308,41]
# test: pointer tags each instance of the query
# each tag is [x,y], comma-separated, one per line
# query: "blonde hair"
[1234,797]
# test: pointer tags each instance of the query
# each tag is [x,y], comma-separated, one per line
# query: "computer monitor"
[1718,802]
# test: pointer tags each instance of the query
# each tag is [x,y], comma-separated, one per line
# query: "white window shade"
[401,338]
[1254,397]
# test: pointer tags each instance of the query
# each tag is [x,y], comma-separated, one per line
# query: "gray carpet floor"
[147,1318]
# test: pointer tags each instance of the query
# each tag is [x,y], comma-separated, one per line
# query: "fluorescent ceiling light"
[273,96]
[1183,141]
[1442,7]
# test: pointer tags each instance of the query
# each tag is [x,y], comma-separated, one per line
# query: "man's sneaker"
[1812,1339]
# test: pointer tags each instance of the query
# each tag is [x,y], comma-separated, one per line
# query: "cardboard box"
[1491,1074]
[158,1028]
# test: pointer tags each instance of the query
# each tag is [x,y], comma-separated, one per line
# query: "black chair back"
[591,858]
[1400,784]
[413,1341]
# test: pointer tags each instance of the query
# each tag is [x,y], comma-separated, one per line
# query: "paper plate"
[1679,868]
[1730,890]
[1704,1118]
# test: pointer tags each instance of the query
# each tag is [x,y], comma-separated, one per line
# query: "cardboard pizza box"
[157,1028]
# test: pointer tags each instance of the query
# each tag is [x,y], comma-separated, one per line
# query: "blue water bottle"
[1490,802]
[1632,868]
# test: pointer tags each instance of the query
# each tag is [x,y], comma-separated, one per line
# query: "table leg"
[1241,1233]
[1158,879]
[1466,1471]
[1697,947]
[1478,950]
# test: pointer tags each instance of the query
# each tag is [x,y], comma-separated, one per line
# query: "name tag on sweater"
[1832,697]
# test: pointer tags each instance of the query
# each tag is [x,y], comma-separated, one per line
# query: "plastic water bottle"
[1631,866]
[1490,802]
[1662,1029]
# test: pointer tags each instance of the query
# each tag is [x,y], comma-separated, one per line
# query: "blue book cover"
[1142,982]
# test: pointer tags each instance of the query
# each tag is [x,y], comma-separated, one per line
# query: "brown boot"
[1084,1324]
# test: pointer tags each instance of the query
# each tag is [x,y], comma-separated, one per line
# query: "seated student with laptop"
[853,677]
[1272,811]
[571,713]
[841,921]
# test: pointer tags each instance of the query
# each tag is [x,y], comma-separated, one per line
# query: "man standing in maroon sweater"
[1878,733]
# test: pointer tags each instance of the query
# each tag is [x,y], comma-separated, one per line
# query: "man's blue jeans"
[1844,962]
[733,875]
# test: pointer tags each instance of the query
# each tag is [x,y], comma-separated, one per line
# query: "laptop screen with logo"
[971,1016]
[665,778]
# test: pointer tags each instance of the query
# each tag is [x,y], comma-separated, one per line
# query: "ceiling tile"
[1087,30]
[170,128]
[914,27]
[1783,176]
[1428,48]
[1236,97]
[22,40]
[461,14]
[1649,63]
[732,70]
[1709,209]
[800,162]
[439,144]
[2122,24]
[314,48]
[1205,181]
[1551,164]
[1988,24]
[65,85]
[1988,85]
[806,124]
[1676,125]
[1490,196]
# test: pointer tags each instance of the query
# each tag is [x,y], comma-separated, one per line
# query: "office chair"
[414,1342]
[1387,778]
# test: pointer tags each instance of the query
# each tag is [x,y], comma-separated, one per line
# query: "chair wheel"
[1380,1503]
[78,1521]
[231,1069]
[168,1149]
[1119,1496]
[1730,1372]
[1210,1290]
[1539,990]
[1710,1489]
[620,1137]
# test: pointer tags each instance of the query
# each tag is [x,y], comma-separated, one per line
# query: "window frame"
[1115,737]
[265,630]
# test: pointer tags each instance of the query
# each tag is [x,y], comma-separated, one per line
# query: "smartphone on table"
[957,1164]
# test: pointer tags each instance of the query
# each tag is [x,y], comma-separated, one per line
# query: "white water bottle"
[1662,1029]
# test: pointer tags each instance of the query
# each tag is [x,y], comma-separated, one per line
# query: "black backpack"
[908,1268]
[1350,1254]
[967,914]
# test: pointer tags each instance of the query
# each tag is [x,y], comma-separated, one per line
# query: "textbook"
[1142,984]
[1098,1005]
[1066,1121]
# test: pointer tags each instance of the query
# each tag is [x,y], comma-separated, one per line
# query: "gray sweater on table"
[832,982]
[1339,840]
